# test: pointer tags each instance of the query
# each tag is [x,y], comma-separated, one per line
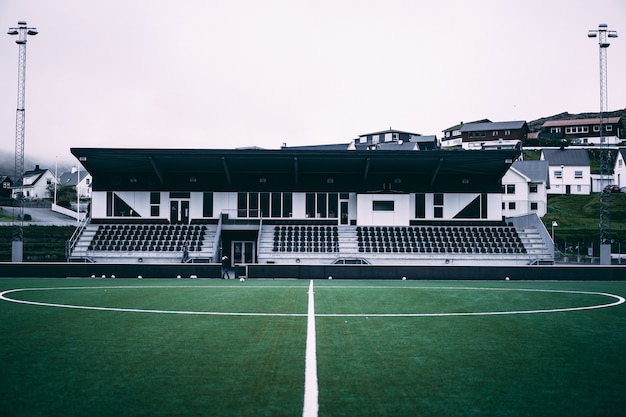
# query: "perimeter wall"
[396,272]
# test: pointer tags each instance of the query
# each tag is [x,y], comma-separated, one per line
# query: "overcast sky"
[237,73]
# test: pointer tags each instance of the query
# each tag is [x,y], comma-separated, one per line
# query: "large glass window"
[254,204]
[207,204]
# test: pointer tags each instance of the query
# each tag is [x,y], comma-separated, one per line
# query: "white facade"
[36,185]
[522,196]
[619,170]
[380,209]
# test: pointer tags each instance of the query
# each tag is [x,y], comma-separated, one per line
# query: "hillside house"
[71,178]
[452,135]
[34,184]
[391,138]
[619,171]
[569,170]
[525,189]
[585,131]
[477,135]
[6,184]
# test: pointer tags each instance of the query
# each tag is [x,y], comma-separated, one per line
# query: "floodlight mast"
[22,31]
[602,33]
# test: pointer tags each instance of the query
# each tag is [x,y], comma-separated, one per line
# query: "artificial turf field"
[383,348]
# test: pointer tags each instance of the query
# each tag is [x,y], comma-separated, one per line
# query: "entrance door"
[179,211]
[344,212]
[243,252]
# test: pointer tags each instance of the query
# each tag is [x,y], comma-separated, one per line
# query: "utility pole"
[602,33]
[22,31]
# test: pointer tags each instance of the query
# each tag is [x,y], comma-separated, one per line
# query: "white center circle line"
[617,301]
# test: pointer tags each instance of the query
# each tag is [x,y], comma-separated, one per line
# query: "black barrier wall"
[543,272]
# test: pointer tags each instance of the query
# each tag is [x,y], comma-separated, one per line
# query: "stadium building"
[389,205]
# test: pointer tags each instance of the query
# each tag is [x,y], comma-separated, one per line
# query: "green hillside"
[578,217]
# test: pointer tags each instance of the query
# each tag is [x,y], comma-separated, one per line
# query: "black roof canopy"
[118,169]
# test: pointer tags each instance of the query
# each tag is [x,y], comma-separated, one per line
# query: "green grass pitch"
[384,348]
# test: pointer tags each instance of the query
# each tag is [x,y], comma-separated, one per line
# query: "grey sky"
[223,74]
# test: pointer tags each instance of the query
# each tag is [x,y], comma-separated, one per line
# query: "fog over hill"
[7,163]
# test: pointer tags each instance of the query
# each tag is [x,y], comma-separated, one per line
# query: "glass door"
[243,252]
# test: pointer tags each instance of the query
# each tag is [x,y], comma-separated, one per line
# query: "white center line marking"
[310,373]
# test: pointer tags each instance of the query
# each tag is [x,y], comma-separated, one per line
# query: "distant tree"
[65,194]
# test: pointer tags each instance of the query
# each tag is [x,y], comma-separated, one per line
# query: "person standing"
[225,266]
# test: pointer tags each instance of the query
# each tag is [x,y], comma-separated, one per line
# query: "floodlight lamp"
[612,35]
[20,42]
[12,32]
[555,224]
[32,31]
[592,34]
[21,23]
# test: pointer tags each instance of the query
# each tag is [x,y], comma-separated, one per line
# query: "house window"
[558,174]
[532,187]
[510,188]
[555,130]
[578,174]
[494,133]
[596,128]
[507,133]
[608,128]
[579,188]
[512,205]
[382,205]
[533,206]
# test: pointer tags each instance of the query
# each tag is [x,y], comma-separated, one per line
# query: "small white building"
[619,171]
[525,189]
[80,177]
[569,170]
[34,184]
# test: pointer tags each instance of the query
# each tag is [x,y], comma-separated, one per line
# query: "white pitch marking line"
[311,405]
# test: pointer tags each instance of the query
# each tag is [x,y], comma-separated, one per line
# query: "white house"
[525,189]
[619,171]
[569,170]
[71,178]
[34,184]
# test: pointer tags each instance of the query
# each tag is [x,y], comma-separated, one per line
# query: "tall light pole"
[602,33]
[22,31]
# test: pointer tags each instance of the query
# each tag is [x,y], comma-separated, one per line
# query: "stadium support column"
[22,31]
[602,33]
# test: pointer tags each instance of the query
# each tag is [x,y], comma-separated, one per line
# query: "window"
[494,133]
[558,174]
[207,204]
[383,205]
[510,188]
[596,128]
[576,129]
[608,128]
[507,133]
[323,205]
[578,174]
[420,206]
[155,201]
[555,130]
[254,204]
[438,205]
[532,187]
[512,205]
[533,206]
[579,188]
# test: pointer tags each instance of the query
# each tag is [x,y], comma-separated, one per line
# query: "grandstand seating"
[138,237]
[439,239]
[305,239]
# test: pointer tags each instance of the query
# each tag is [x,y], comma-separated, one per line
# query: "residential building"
[6,183]
[585,131]
[569,170]
[452,135]
[71,178]
[525,189]
[387,139]
[477,135]
[34,184]
[619,171]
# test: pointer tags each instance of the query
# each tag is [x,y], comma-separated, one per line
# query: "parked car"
[612,189]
